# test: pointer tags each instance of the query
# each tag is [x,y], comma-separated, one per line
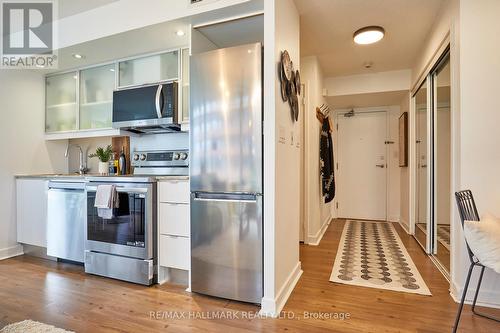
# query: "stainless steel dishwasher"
[66,217]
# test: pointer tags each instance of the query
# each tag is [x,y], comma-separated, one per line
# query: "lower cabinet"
[174,242]
[31,201]
[175,252]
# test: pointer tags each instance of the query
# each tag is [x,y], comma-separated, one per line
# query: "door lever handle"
[380,166]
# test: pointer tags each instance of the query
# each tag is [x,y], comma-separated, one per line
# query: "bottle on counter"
[112,170]
[115,164]
[123,163]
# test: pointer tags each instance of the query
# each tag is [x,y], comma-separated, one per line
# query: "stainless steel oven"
[124,246]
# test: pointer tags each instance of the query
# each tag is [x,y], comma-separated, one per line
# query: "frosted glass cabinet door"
[151,69]
[185,85]
[96,97]
[60,106]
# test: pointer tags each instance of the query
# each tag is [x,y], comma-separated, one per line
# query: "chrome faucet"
[83,165]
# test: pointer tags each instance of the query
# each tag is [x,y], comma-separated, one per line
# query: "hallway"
[73,300]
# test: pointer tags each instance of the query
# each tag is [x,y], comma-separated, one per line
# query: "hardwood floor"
[62,295]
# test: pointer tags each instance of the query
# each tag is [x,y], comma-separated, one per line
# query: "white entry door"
[362,166]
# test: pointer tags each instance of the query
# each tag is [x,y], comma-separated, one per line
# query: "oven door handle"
[121,189]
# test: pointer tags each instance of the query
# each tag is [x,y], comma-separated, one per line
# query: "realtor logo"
[27,34]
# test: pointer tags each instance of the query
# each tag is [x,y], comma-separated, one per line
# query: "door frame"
[304,105]
[340,113]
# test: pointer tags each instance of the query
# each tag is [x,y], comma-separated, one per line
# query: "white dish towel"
[106,199]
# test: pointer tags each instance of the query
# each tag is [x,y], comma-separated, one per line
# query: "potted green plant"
[104,155]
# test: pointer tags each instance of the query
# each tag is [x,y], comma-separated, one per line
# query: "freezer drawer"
[226,247]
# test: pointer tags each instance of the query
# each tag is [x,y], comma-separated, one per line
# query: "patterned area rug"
[444,235]
[30,326]
[371,254]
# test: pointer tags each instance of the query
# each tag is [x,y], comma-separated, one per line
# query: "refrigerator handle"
[225,197]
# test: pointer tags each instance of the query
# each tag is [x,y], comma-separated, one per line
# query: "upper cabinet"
[61,103]
[80,103]
[184,91]
[148,70]
[96,97]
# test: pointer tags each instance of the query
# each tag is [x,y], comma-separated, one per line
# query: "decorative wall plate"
[287,65]
[297,82]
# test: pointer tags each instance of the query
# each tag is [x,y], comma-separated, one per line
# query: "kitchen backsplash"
[89,146]
[142,143]
[168,141]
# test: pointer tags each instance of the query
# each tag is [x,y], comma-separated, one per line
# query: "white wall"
[318,214]
[287,153]
[368,83]
[22,145]
[479,119]
[282,161]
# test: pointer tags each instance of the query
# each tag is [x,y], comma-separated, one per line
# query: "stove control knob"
[183,156]
[143,157]
[176,156]
[136,157]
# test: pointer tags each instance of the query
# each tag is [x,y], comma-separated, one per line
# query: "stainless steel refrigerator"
[226,173]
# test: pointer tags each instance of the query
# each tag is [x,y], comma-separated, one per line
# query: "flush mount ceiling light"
[180,33]
[369,35]
[77,56]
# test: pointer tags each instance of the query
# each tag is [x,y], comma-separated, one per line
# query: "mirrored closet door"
[432,163]
[442,163]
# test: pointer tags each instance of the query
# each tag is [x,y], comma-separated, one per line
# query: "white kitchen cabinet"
[174,219]
[61,102]
[174,235]
[96,97]
[184,91]
[175,252]
[174,191]
[149,70]
[32,211]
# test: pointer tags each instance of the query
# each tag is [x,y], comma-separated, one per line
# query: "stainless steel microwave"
[147,109]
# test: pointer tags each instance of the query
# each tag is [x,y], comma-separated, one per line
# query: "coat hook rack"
[323,113]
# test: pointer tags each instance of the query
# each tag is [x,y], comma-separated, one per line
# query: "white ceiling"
[367,100]
[73,7]
[327,28]
[158,37]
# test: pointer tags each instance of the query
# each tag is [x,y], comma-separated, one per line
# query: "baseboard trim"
[316,239]
[404,226]
[272,307]
[10,252]
[488,298]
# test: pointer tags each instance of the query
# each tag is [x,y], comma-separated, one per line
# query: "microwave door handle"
[157,101]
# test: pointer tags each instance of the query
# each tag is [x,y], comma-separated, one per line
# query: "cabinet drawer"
[174,219]
[175,252]
[174,191]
